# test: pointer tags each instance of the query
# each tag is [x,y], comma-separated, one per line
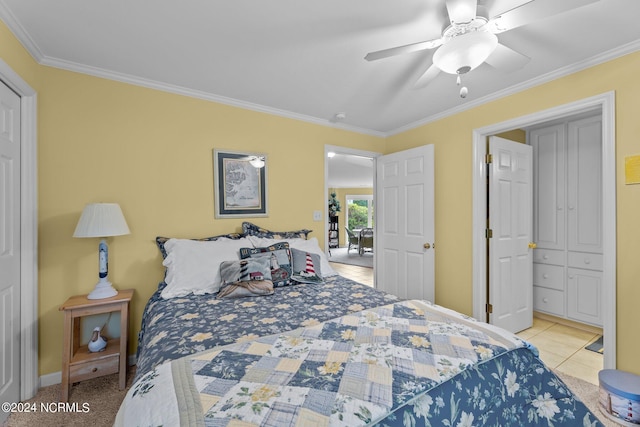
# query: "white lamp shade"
[465,52]
[101,220]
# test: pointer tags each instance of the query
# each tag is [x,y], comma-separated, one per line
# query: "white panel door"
[510,219]
[9,247]
[404,229]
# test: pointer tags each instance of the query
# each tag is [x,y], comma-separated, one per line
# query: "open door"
[404,232]
[509,234]
[10,254]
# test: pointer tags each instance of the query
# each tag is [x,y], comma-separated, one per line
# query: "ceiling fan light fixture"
[257,162]
[465,52]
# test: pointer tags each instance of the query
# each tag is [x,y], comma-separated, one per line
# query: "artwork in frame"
[240,184]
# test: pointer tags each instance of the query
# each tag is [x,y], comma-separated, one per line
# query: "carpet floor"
[102,397]
[341,256]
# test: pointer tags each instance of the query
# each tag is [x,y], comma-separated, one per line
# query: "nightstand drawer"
[94,368]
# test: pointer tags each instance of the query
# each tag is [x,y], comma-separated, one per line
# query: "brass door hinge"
[488,233]
[488,158]
[489,308]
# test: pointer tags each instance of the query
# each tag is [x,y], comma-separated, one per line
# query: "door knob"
[532,245]
[426,246]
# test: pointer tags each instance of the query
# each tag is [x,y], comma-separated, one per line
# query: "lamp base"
[103,289]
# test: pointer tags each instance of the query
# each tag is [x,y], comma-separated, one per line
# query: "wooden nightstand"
[78,364]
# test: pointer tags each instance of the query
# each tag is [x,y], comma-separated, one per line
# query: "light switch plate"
[317,215]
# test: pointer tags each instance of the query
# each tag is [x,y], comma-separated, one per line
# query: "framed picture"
[240,184]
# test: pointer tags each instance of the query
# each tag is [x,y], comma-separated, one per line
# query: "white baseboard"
[56,377]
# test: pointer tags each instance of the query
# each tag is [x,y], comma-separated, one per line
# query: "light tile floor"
[561,347]
[354,272]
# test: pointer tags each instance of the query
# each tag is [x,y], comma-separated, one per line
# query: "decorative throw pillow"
[312,246]
[254,230]
[279,257]
[245,278]
[193,266]
[306,267]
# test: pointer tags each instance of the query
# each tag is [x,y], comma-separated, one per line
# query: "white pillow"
[307,245]
[193,267]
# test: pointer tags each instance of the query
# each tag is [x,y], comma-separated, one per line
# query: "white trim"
[23,37]
[193,93]
[539,80]
[28,232]
[605,102]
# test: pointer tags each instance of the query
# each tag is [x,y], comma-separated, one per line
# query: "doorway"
[604,103]
[349,174]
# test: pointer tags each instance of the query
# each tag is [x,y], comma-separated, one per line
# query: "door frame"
[606,104]
[349,151]
[29,380]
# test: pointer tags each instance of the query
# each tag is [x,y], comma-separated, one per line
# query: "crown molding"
[16,28]
[545,78]
[21,34]
[179,90]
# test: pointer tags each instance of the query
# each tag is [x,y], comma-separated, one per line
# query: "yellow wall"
[341,194]
[151,151]
[452,138]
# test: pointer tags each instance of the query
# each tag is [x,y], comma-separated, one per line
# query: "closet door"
[584,178]
[549,147]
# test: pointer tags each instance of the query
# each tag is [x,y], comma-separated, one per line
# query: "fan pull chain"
[463,90]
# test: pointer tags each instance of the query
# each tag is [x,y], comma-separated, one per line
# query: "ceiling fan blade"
[506,59]
[431,73]
[461,11]
[532,11]
[399,50]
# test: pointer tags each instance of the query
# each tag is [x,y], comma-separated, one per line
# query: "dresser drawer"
[94,368]
[549,256]
[548,276]
[585,260]
[548,300]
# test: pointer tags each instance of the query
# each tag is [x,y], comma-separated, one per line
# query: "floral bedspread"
[181,326]
[409,363]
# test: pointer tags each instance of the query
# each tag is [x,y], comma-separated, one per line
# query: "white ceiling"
[305,59]
[350,171]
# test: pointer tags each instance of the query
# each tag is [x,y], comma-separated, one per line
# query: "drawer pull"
[587,261]
[571,276]
[545,256]
[545,300]
[545,276]
[94,370]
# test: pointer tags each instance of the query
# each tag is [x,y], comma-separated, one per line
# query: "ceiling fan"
[470,40]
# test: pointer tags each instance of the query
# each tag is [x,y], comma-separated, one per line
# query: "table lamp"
[102,220]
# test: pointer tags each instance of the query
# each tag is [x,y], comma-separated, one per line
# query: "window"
[359,212]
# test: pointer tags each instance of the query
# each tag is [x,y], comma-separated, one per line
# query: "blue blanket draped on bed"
[181,326]
[406,364]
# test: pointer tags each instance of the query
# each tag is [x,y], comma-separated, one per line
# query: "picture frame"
[240,188]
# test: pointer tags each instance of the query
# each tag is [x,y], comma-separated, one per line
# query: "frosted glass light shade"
[465,52]
[101,220]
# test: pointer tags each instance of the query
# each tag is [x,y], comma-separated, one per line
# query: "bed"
[323,350]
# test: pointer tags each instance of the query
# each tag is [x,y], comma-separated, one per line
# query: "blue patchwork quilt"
[178,327]
[409,363]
